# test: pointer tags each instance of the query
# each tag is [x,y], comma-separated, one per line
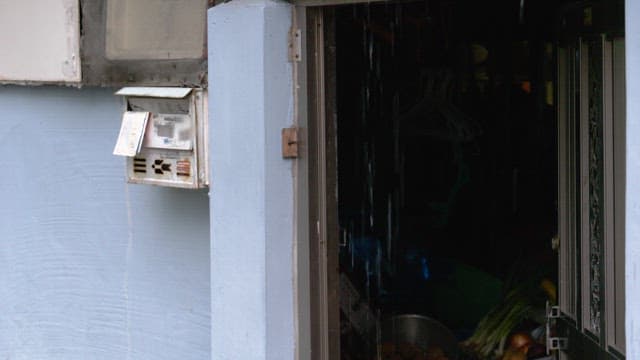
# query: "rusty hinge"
[295,45]
[290,143]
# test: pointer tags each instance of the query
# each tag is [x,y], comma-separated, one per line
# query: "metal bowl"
[420,331]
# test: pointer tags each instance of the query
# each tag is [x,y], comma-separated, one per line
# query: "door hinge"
[554,343]
[295,45]
[553,312]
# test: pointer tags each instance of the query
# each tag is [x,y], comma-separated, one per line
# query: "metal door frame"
[593,328]
[323,187]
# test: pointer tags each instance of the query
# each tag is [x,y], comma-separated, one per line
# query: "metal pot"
[420,331]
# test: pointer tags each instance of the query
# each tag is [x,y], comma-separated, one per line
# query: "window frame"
[98,70]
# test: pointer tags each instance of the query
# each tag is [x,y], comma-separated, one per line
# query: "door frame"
[317,277]
[318,302]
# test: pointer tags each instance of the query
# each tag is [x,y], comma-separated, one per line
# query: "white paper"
[131,134]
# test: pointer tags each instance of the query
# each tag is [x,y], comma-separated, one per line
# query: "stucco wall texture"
[250,101]
[90,267]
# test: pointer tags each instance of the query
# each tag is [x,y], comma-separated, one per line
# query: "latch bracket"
[553,312]
[557,343]
[295,45]
[290,143]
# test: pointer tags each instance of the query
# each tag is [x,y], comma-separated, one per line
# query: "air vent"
[160,167]
[183,168]
[140,165]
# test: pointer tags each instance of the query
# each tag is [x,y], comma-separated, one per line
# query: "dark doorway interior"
[447,161]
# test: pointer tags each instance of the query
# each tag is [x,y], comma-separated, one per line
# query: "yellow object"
[479,53]
[548,89]
[512,354]
[588,16]
[550,289]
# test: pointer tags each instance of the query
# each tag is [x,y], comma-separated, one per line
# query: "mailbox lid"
[155,92]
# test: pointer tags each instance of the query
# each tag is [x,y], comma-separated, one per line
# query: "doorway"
[436,178]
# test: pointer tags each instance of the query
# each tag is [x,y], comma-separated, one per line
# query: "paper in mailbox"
[131,134]
[169,131]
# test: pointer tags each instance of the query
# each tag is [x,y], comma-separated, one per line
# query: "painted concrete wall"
[92,268]
[252,298]
[633,179]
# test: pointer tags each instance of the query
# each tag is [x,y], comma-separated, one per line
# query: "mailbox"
[163,136]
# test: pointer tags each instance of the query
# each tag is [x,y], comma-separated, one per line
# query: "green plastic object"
[467,296]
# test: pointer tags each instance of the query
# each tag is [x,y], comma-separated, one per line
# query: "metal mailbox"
[163,136]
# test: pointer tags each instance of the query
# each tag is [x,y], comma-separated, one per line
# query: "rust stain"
[183,168]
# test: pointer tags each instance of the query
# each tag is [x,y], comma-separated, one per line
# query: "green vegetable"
[492,331]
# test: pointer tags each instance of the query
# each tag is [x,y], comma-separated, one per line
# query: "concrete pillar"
[633,179]
[251,195]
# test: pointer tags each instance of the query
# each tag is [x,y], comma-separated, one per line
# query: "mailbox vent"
[140,165]
[160,167]
[183,168]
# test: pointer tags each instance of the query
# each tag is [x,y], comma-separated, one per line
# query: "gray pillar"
[250,101]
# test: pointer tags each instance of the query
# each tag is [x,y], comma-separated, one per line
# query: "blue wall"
[90,267]
[632,236]
[252,203]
